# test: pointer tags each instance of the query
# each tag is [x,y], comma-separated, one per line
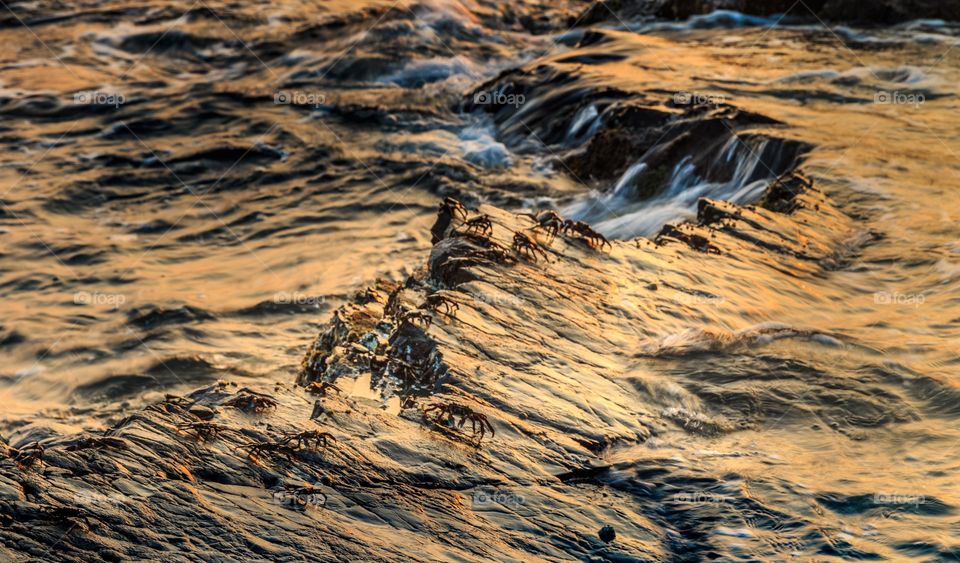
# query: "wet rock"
[598,133]
[351,323]
[782,196]
[539,350]
[851,11]
[890,11]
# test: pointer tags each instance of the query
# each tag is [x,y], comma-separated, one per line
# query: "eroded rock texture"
[478,411]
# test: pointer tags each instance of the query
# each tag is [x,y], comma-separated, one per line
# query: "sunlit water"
[169,218]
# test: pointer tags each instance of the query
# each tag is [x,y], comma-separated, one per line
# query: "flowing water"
[189,189]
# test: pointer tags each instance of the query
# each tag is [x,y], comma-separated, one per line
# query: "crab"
[415,317]
[256,449]
[394,303]
[203,430]
[449,413]
[593,238]
[171,404]
[527,247]
[442,304]
[550,222]
[455,271]
[26,457]
[98,443]
[251,401]
[311,439]
[453,207]
[321,388]
[481,225]
[699,243]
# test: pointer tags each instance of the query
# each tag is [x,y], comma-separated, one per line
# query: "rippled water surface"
[188,190]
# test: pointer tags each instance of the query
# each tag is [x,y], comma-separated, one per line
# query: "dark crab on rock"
[322,387]
[250,401]
[442,303]
[481,225]
[203,430]
[26,456]
[527,247]
[549,221]
[594,239]
[310,440]
[448,413]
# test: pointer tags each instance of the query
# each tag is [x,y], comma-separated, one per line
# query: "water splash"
[627,211]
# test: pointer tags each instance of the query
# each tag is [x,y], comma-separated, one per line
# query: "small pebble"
[607,534]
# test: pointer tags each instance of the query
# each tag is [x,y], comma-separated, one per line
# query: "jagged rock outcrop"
[536,336]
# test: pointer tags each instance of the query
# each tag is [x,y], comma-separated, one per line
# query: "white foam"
[619,213]
[699,340]
[432,70]
[809,76]
[734,533]
[921,24]
[719,19]
[480,147]
[584,125]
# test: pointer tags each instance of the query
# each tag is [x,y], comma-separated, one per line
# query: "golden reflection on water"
[79,280]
